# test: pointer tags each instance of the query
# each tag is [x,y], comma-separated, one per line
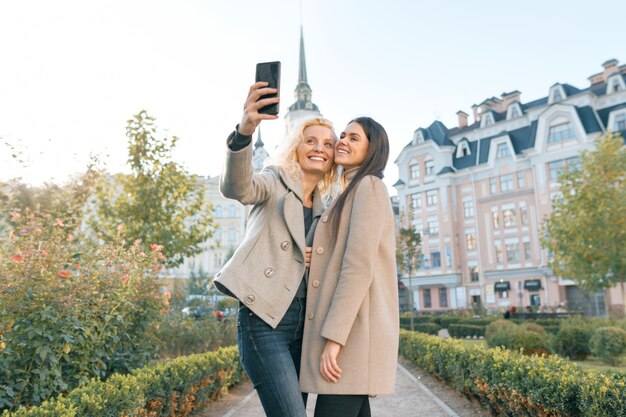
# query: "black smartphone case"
[269,72]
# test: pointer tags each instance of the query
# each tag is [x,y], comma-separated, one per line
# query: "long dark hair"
[374,163]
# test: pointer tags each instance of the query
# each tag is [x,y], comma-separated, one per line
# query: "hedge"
[508,383]
[464,330]
[173,388]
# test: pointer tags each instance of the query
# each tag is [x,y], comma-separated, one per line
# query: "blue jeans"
[271,358]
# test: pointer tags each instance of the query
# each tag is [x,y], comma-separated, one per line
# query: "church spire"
[302,72]
[259,142]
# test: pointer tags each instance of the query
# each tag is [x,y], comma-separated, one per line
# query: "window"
[468,209]
[509,218]
[512,252]
[555,169]
[620,122]
[523,214]
[573,163]
[527,254]
[430,167]
[415,171]
[520,179]
[427,299]
[431,197]
[473,273]
[232,234]
[506,182]
[443,297]
[416,201]
[503,150]
[218,212]
[435,260]
[218,235]
[470,241]
[557,95]
[561,132]
[433,227]
[463,149]
[493,185]
[488,120]
[514,112]
[498,253]
[232,211]
[496,219]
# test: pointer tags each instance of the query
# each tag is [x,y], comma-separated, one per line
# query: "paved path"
[412,398]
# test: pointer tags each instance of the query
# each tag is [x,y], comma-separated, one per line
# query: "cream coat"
[352,297]
[265,271]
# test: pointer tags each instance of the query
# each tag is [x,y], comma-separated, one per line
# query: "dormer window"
[463,149]
[513,111]
[418,137]
[557,93]
[415,171]
[615,83]
[503,150]
[620,122]
[561,132]
[486,119]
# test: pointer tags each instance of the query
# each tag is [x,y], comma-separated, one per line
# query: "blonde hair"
[287,159]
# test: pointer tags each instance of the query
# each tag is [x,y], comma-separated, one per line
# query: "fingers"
[329,368]
[251,116]
[307,256]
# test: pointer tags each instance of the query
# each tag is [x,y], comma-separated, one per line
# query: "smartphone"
[269,72]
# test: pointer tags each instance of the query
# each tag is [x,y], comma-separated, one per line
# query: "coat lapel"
[294,215]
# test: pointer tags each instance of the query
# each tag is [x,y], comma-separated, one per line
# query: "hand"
[307,256]
[251,116]
[329,368]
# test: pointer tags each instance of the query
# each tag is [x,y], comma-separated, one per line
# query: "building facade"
[479,192]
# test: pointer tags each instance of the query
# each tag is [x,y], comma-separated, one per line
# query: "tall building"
[479,192]
[304,106]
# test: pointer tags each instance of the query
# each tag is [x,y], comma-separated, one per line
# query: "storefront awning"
[532,285]
[502,286]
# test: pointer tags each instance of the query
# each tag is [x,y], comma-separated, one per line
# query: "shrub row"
[169,388]
[424,327]
[464,330]
[508,383]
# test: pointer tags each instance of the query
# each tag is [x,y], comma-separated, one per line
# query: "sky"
[72,72]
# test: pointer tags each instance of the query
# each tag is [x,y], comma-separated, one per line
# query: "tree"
[408,252]
[198,282]
[159,203]
[586,232]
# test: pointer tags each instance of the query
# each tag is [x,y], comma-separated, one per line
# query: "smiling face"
[316,152]
[351,149]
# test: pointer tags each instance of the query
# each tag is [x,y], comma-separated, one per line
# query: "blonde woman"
[267,272]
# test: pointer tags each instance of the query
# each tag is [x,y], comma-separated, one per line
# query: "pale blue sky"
[73,72]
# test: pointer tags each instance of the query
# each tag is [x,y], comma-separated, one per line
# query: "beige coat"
[352,297]
[265,271]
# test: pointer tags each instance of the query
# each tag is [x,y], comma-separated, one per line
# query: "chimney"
[462,119]
[610,67]
[475,111]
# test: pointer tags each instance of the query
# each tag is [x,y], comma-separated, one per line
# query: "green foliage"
[158,203]
[446,321]
[608,343]
[465,330]
[515,337]
[198,282]
[572,340]
[174,388]
[510,384]
[587,230]
[408,253]
[179,335]
[533,327]
[70,311]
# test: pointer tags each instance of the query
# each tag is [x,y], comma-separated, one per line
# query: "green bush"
[515,337]
[494,331]
[173,388]
[446,321]
[572,341]
[464,330]
[510,384]
[429,328]
[180,335]
[608,343]
[533,327]
[69,311]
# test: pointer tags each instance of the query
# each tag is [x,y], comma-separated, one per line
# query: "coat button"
[319,250]
[269,272]
[250,298]
[324,219]
[310,316]
[285,245]
[315,283]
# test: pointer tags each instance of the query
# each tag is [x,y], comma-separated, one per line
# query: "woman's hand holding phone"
[251,116]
